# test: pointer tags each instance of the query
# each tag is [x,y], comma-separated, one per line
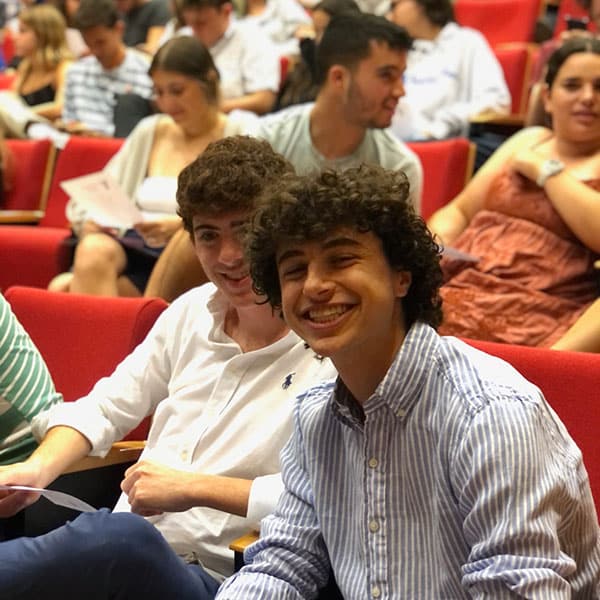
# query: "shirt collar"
[400,389]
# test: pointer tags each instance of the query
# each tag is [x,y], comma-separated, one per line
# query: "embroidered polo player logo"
[287,381]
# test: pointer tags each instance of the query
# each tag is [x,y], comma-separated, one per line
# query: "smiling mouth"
[326,314]
[234,278]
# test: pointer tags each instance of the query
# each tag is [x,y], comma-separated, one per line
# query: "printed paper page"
[100,195]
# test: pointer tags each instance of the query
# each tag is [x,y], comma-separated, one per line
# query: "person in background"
[361,80]
[112,263]
[535,106]
[300,84]
[145,22]
[219,371]
[427,469]
[39,87]
[451,73]
[75,42]
[26,388]
[529,220]
[246,58]
[279,20]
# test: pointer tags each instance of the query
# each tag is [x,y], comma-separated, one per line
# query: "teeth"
[326,313]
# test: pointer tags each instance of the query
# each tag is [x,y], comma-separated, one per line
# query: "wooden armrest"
[493,118]
[243,542]
[121,452]
[238,546]
[20,216]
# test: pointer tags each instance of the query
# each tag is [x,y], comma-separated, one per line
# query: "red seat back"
[81,156]
[570,382]
[83,338]
[33,161]
[516,61]
[500,21]
[447,166]
[570,8]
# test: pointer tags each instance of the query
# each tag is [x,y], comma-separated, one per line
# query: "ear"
[402,282]
[226,9]
[337,76]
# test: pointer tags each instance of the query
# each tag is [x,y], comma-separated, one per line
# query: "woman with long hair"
[109,262]
[530,219]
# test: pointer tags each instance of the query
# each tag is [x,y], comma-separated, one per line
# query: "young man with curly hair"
[219,372]
[428,469]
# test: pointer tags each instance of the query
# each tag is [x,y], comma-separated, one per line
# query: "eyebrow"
[233,225]
[327,245]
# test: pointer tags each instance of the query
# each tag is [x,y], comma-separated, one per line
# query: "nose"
[398,90]
[317,285]
[587,92]
[230,252]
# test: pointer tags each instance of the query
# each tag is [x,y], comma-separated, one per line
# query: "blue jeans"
[100,556]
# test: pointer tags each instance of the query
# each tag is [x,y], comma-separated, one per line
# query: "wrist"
[549,168]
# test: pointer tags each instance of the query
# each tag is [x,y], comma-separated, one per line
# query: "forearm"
[584,334]
[228,494]
[578,205]
[61,447]
[48,110]
[257,102]
[448,223]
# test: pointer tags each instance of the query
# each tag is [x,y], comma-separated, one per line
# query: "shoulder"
[87,64]
[192,305]
[458,34]
[284,120]
[480,381]
[313,405]
[136,59]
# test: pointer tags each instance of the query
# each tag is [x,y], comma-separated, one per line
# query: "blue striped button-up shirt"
[459,482]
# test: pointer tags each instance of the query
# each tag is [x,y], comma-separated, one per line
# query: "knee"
[98,252]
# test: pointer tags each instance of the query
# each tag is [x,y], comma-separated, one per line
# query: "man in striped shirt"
[428,470]
[95,83]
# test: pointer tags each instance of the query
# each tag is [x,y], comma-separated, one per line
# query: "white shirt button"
[373,525]
[373,462]
[375,592]
[184,455]
[400,413]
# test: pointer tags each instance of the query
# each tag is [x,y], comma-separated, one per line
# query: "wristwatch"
[549,167]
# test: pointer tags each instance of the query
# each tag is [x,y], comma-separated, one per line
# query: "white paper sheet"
[103,199]
[59,498]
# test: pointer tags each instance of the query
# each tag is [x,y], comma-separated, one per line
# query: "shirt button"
[373,525]
[373,462]
[184,455]
[375,592]
[401,413]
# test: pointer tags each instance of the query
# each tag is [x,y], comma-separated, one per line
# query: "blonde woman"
[38,89]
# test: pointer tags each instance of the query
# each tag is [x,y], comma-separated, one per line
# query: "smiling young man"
[360,62]
[428,469]
[219,372]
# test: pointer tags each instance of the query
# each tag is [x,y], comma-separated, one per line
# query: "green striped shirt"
[25,387]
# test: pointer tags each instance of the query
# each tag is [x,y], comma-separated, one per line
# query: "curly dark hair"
[367,198]
[228,177]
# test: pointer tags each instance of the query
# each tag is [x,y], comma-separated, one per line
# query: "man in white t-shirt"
[219,371]
[360,64]
[247,61]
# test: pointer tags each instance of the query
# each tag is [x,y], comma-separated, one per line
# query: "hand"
[528,163]
[156,234]
[24,473]
[152,488]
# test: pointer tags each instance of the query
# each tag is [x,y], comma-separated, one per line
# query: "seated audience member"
[7,169]
[145,22]
[111,263]
[360,78]
[535,108]
[26,388]
[39,86]
[301,85]
[219,371]
[530,219]
[175,25]
[451,73]
[247,61]
[75,42]
[428,469]
[279,20]
[95,83]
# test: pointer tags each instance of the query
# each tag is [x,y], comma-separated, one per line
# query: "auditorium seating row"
[32,255]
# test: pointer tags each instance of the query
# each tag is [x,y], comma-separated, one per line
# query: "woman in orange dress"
[530,219]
